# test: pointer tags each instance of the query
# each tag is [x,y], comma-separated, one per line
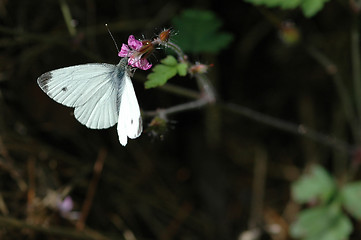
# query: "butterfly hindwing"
[130,120]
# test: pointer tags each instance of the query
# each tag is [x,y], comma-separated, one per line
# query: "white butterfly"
[102,95]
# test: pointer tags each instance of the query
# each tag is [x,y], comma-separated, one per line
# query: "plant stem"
[178,108]
[67,17]
[206,87]
[289,127]
[98,168]
[355,60]
[67,233]
[176,49]
[343,93]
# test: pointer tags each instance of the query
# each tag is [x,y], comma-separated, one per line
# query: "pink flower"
[66,205]
[136,51]
[65,208]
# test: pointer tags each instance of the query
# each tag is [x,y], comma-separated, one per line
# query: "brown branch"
[289,127]
[7,164]
[68,233]
[98,167]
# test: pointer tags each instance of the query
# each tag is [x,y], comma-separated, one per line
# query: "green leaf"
[351,198]
[317,184]
[322,223]
[268,3]
[198,31]
[182,69]
[168,68]
[308,7]
[311,7]
[169,60]
[290,4]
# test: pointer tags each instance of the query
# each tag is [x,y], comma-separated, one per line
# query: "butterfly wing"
[130,120]
[90,88]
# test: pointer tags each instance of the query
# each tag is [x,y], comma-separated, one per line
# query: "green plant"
[326,219]
[308,7]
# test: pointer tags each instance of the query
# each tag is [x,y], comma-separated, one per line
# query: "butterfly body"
[101,94]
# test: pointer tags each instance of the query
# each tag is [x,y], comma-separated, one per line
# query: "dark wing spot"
[131,121]
[43,81]
[64,89]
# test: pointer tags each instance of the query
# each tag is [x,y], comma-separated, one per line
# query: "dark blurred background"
[214,173]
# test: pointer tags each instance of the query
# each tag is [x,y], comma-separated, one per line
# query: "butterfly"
[101,94]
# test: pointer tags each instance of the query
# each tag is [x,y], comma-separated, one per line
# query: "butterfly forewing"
[90,88]
[102,95]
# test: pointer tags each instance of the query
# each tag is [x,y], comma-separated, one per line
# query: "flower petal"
[124,51]
[139,62]
[143,64]
[133,60]
[66,205]
[134,43]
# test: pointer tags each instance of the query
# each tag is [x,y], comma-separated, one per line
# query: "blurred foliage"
[198,31]
[325,220]
[316,185]
[322,223]
[309,7]
[351,195]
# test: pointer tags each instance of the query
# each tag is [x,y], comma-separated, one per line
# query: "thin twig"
[32,180]
[8,165]
[289,127]
[67,17]
[163,113]
[180,91]
[355,60]
[286,126]
[206,87]
[258,188]
[68,233]
[3,208]
[183,213]
[98,167]
[343,93]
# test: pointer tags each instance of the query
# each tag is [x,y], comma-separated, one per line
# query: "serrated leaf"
[351,198]
[169,60]
[164,71]
[198,31]
[182,69]
[317,184]
[322,223]
[160,75]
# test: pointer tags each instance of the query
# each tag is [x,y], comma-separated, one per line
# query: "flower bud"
[164,35]
[199,68]
[289,33]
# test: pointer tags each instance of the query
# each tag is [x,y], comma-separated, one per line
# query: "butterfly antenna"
[111,35]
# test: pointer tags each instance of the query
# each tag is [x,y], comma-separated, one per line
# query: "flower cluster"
[137,51]
[134,51]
